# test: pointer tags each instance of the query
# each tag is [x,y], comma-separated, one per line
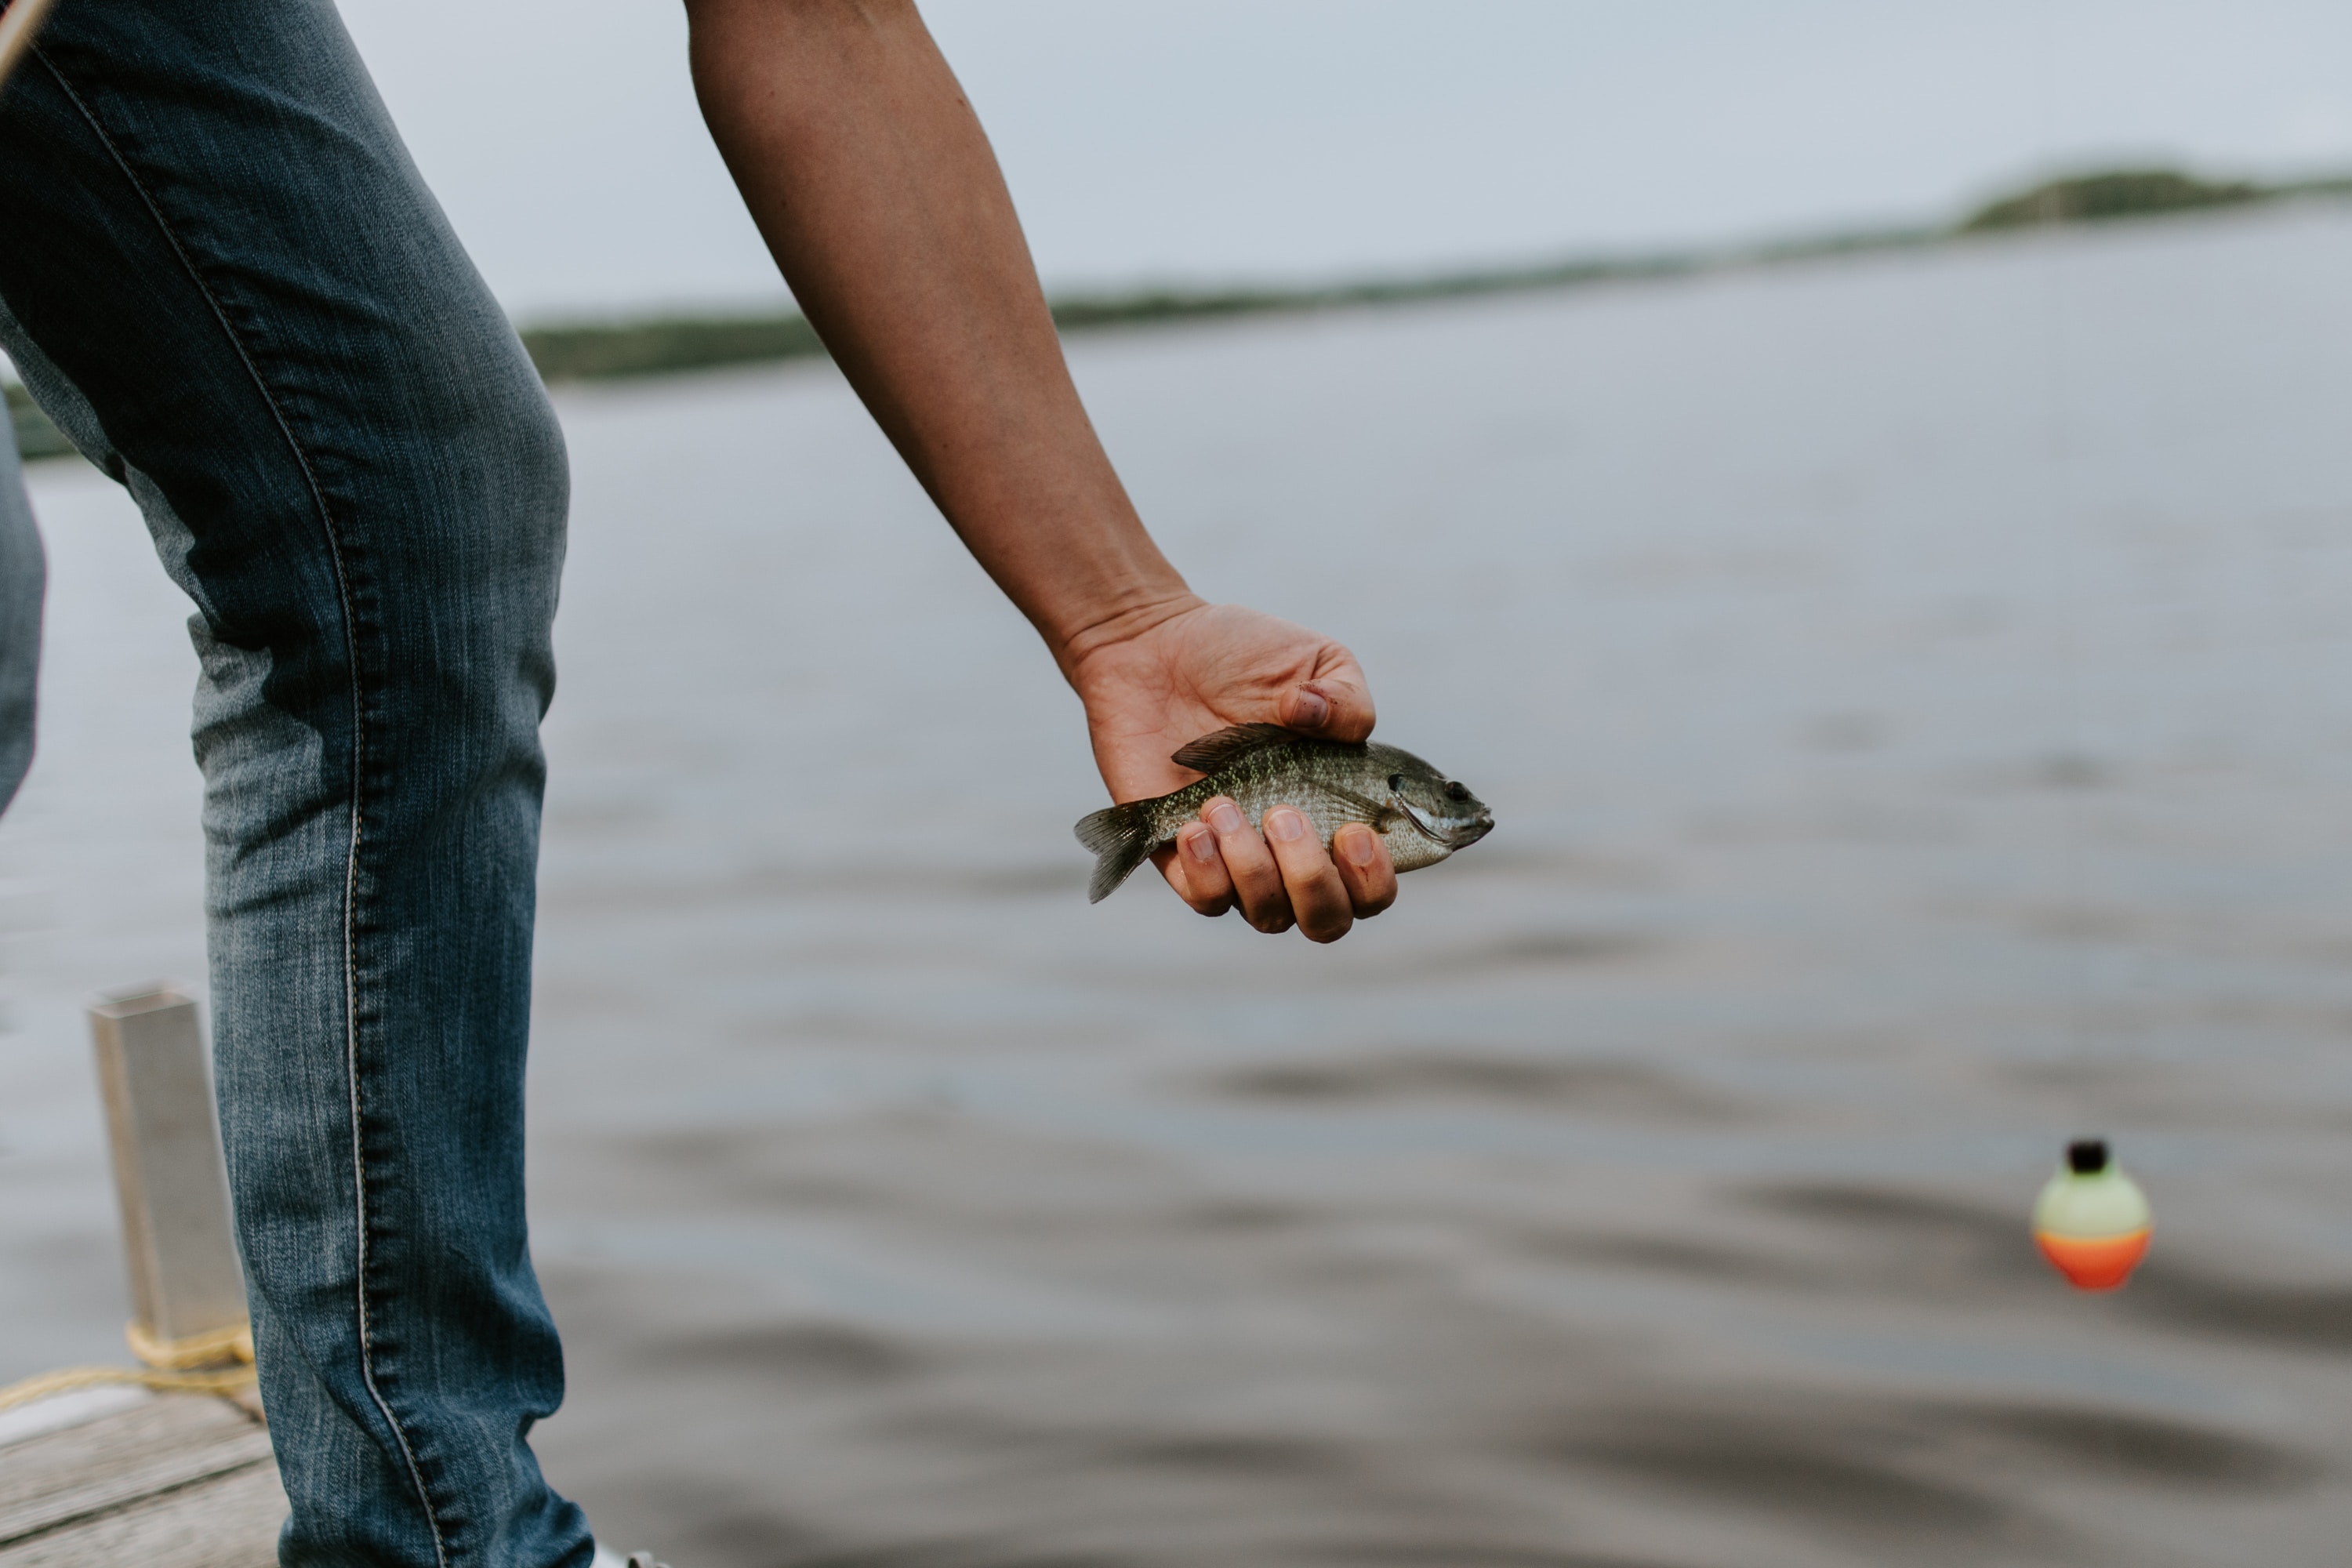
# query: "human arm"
[869,177]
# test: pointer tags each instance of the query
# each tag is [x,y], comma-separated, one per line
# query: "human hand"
[1198,670]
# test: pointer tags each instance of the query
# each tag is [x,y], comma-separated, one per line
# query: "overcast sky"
[1232,140]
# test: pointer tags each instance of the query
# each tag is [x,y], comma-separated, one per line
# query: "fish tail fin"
[1122,839]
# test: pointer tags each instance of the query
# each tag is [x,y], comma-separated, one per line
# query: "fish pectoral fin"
[1229,745]
[1375,815]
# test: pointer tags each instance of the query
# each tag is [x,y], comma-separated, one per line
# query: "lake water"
[1914,692]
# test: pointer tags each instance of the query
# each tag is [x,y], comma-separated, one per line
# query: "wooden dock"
[96,1472]
[116,1477]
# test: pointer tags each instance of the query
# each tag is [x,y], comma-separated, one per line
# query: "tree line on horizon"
[610,350]
[605,351]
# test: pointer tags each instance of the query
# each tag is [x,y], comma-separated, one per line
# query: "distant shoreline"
[602,351]
[626,350]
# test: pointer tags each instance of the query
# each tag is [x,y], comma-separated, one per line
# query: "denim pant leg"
[22,575]
[224,280]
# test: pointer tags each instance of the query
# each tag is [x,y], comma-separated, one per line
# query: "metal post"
[152,1065]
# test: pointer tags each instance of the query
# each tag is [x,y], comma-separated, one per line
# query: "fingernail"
[1360,847]
[1202,846]
[1309,709]
[1226,818]
[1285,823]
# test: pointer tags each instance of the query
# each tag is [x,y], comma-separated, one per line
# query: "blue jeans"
[223,278]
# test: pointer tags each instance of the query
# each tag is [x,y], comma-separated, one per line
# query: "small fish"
[1423,815]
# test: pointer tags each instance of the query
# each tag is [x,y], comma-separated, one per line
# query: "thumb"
[1335,710]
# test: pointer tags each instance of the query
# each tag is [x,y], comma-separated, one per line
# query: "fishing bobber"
[2092,1221]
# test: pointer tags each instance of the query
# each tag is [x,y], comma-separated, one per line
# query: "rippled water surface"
[1914,693]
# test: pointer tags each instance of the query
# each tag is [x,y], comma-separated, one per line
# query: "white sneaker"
[608,1558]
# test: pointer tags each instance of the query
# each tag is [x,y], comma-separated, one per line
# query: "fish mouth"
[1468,833]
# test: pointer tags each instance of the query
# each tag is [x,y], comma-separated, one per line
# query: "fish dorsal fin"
[1227,746]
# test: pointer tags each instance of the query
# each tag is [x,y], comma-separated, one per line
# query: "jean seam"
[358,773]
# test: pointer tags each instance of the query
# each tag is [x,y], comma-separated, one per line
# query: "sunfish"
[1420,814]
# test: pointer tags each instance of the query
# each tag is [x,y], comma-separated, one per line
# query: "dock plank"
[176,1483]
[228,1522]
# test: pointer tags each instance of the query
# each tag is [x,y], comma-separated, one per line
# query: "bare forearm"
[876,189]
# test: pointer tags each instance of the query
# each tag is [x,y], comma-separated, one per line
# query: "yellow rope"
[191,1365]
[210,1349]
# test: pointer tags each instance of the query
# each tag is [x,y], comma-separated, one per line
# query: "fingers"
[1335,709]
[1284,878]
[1197,871]
[1257,882]
[1364,866]
[1318,898]
[1335,703]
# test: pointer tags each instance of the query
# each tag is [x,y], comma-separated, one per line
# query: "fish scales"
[1420,814]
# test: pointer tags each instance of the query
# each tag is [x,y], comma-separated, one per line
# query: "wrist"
[1132,616]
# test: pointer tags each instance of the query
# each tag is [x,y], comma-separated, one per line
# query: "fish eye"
[1396,783]
[1456,790]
